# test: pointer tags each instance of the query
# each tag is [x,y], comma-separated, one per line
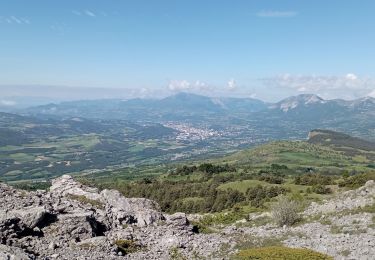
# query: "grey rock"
[13,253]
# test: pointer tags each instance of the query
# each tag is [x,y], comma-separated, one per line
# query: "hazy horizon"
[126,49]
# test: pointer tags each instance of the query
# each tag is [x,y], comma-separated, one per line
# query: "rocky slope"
[72,221]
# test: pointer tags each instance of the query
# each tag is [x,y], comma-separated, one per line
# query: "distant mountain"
[313,103]
[296,102]
[289,118]
[179,106]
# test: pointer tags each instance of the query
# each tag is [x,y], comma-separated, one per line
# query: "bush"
[285,211]
[259,194]
[321,189]
[273,179]
[357,180]
[279,252]
[313,179]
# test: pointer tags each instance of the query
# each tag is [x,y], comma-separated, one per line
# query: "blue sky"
[265,49]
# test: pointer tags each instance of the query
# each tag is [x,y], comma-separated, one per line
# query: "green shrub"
[201,228]
[259,194]
[357,180]
[273,179]
[285,211]
[313,179]
[281,253]
[321,189]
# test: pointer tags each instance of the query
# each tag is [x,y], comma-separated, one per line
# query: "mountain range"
[289,116]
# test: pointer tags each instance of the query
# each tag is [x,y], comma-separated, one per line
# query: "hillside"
[336,139]
[313,171]
[72,221]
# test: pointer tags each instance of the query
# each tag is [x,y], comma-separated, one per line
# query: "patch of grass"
[257,222]
[365,209]
[336,229]
[250,241]
[222,218]
[85,200]
[325,222]
[175,254]
[341,229]
[127,246]
[243,186]
[345,252]
[201,228]
[279,252]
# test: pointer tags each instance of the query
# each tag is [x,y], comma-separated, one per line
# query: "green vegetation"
[280,253]
[175,254]
[313,179]
[250,180]
[358,180]
[320,189]
[83,199]
[127,246]
[32,186]
[285,211]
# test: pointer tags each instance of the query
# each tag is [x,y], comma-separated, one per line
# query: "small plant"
[336,229]
[285,211]
[345,253]
[83,199]
[127,246]
[325,221]
[201,228]
[279,252]
[175,254]
[321,189]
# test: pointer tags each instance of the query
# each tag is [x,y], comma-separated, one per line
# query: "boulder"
[14,253]
[123,210]
[66,185]
[178,219]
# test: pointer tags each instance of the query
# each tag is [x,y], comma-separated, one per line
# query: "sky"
[267,49]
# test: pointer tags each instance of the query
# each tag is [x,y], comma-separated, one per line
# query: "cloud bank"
[348,86]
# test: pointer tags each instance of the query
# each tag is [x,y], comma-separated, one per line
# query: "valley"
[247,183]
[41,142]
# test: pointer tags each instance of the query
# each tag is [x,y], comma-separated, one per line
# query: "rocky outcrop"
[345,201]
[121,211]
[13,253]
[73,221]
[114,209]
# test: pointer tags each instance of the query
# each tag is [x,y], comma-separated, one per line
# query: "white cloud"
[351,76]
[7,102]
[184,85]
[26,21]
[276,14]
[179,85]
[231,85]
[372,94]
[348,86]
[89,13]
[15,20]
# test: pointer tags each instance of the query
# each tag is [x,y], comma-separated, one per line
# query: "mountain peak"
[296,101]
